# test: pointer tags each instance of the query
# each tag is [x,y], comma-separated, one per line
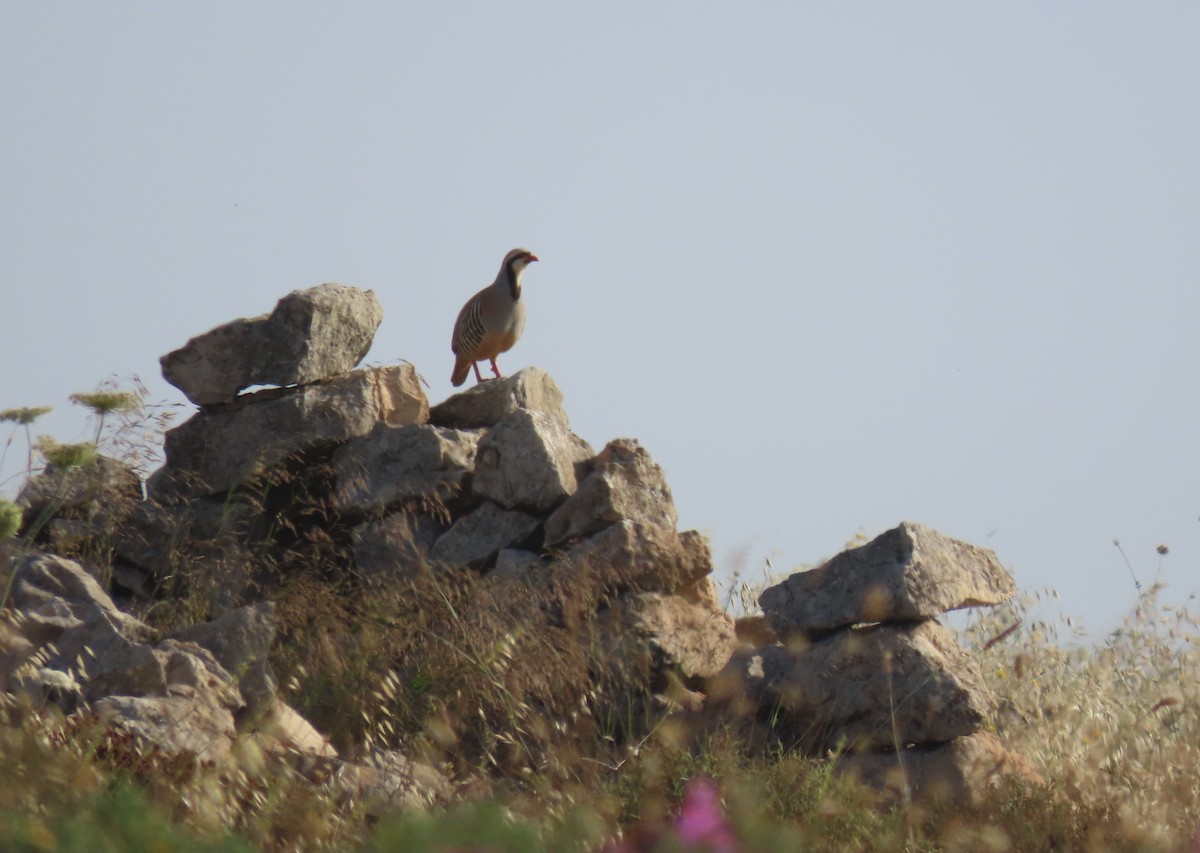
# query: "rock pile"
[193,693]
[859,665]
[351,470]
[571,552]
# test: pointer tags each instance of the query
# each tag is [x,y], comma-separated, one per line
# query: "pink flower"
[701,823]
[700,826]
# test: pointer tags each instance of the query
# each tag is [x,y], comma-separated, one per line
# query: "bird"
[492,320]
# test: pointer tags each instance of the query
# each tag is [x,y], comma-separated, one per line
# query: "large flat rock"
[311,335]
[910,572]
[871,688]
[218,449]
[488,403]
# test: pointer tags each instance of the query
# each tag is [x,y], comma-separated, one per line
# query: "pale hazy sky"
[835,264]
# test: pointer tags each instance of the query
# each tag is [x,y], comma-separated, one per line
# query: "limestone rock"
[396,545]
[391,465]
[284,730]
[53,595]
[488,403]
[515,561]
[174,694]
[865,687]
[529,461]
[966,770]
[387,781]
[702,590]
[240,640]
[15,650]
[910,572]
[311,335]
[668,632]
[217,449]
[634,556]
[103,492]
[476,537]
[188,721]
[43,686]
[624,483]
[59,608]
[162,540]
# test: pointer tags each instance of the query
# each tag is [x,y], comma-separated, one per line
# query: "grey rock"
[397,545]
[651,631]
[216,450]
[53,595]
[529,461]
[240,641]
[624,483]
[392,465]
[59,608]
[515,561]
[284,731]
[386,781]
[192,719]
[101,493]
[967,770]
[629,555]
[15,651]
[910,572]
[476,537]
[112,665]
[869,688]
[488,403]
[42,686]
[311,335]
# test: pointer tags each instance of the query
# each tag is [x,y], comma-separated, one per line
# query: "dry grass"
[505,686]
[1113,724]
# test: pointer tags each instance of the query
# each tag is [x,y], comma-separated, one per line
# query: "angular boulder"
[910,572]
[193,715]
[240,641]
[624,483]
[529,461]
[651,631]
[216,450]
[488,403]
[59,602]
[103,491]
[964,771]
[871,688]
[476,537]
[396,545]
[311,335]
[391,465]
[629,555]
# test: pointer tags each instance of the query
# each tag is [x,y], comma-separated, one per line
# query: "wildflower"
[701,824]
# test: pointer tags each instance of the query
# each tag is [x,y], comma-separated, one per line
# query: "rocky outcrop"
[851,660]
[562,568]
[192,694]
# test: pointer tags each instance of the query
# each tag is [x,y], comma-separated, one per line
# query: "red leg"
[478,375]
[495,369]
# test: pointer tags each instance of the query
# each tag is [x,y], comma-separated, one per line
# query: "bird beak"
[532,258]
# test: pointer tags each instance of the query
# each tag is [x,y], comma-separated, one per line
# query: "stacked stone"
[493,480]
[859,665]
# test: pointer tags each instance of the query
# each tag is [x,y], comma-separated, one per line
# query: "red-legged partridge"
[492,319]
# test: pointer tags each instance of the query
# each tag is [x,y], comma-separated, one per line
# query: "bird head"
[517,260]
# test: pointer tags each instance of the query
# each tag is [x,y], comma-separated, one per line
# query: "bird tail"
[461,368]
